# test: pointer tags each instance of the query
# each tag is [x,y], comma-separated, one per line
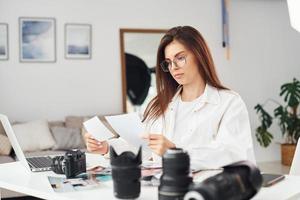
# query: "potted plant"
[288,121]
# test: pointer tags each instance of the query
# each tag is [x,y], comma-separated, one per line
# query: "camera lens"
[126,173]
[240,180]
[58,164]
[175,180]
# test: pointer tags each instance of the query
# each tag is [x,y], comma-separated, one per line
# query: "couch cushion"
[2,131]
[74,122]
[6,159]
[34,136]
[5,146]
[56,123]
[67,138]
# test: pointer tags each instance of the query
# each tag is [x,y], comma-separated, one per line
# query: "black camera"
[175,180]
[71,164]
[126,173]
[238,181]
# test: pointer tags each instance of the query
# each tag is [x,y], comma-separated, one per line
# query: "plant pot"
[287,153]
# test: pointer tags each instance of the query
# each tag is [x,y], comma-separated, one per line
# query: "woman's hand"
[95,146]
[158,143]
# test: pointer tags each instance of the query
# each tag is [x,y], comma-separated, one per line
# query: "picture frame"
[78,41]
[4,49]
[37,37]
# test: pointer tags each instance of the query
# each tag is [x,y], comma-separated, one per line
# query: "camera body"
[238,181]
[71,164]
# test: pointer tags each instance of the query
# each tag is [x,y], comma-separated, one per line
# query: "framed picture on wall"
[78,39]
[37,39]
[3,41]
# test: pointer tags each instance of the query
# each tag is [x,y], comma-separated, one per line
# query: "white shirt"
[217,130]
[182,117]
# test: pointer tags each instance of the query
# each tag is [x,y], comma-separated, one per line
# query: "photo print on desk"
[3,41]
[78,39]
[84,181]
[37,39]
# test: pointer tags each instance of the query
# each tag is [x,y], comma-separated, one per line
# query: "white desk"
[274,167]
[13,176]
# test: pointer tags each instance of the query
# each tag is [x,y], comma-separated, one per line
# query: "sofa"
[41,137]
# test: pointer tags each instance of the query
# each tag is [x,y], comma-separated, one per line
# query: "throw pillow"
[5,146]
[34,136]
[67,138]
[56,123]
[2,131]
[74,122]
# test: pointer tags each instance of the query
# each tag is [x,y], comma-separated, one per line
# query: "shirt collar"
[210,95]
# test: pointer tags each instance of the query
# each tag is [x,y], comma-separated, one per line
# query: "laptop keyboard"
[40,162]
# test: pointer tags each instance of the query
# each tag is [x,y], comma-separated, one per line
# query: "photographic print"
[3,41]
[37,39]
[85,181]
[78,41]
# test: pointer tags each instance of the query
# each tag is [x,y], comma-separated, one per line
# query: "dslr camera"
[238,181]
[71,164]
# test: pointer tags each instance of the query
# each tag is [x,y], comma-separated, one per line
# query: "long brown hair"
[166,85]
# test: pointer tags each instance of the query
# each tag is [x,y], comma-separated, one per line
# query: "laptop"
[35,164]
[295,167]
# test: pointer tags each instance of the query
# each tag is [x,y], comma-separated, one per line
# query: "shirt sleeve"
[231,143]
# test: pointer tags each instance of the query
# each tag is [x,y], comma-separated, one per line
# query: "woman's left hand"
[158,143]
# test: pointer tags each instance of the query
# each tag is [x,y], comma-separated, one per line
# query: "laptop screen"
[13,140]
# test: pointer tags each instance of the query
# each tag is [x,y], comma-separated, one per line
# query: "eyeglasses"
[178,61]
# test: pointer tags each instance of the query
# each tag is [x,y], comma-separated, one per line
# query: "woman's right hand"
[95,146]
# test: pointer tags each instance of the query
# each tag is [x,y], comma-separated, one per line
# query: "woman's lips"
[178,76]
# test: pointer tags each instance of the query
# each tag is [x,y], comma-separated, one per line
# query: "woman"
[192,109]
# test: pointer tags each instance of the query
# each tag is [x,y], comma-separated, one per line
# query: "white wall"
[264,50]
[265,54]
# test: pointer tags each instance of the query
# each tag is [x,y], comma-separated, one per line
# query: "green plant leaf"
[297,130]
[291,93]
[265,117]
[263,136]
[293,128]
[289,121]
[283,115]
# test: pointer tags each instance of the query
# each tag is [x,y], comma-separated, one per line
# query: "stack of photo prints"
[85,181]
